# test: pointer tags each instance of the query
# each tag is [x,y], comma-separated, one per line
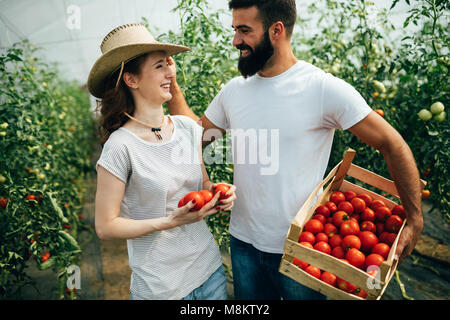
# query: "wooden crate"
[374,286]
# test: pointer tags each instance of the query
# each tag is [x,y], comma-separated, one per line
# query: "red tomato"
[321,218]
[358,204]
[321,237]
[323,210]
[45,256]
[380,227]
[349,227]
[3,202]
[332,206]
[314,271]
[199,201]
[181,203]
[314,226]
[399,211]
[322,246]
[223,188]
[207,195]
[368,226]
[329,278]
[350,242]
[299,263]
[345,206]
[360,293]
[345,285]
[393,224]
[31,197]
[355,257]
[382,213]
[367,199]
[338,252]
[377,203]
[368,240]
[368,215]
[337,197]
[349,195]
[307,236]
[374,259]
[382,249]
[330,229]
[339,217]
[306,244]
[335,240]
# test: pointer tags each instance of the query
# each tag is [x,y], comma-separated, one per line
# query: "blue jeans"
[215,288]
[256,276]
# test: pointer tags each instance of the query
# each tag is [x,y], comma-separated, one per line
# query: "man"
[302,106]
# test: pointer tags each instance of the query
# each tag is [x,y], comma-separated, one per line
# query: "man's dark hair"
[271,11]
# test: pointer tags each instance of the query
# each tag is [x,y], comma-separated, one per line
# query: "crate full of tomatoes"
[343,245]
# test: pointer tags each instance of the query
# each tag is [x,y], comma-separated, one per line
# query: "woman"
[141,175]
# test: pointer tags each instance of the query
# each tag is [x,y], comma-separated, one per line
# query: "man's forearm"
[177,105]
[403,170]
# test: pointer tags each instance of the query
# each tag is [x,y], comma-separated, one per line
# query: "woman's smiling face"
[153,81]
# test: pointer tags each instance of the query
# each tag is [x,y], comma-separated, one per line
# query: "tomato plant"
[47,141]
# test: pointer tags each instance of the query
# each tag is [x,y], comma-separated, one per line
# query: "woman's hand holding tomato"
[227,195]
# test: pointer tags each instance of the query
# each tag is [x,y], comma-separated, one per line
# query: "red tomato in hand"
[393,224]
[207,195]
[358,204]
[314,226]
[329,278]
[337,197]
[349,227]
[181,203]
[223,188]
[322,246]
[307,236]
[194,196]
[350,242]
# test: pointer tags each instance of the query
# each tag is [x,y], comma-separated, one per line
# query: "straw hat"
[120,46]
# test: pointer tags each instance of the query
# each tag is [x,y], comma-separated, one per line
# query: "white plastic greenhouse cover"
[70,31]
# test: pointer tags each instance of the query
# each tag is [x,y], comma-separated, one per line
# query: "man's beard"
[257,58]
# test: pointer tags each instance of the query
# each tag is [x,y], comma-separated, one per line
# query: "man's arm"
[178,105]
[378,133]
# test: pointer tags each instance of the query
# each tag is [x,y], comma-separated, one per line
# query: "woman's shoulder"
[185,121]
[119,139]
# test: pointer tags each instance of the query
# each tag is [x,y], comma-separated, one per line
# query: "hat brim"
[111,61]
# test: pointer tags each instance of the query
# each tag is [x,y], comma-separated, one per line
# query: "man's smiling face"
[252,40]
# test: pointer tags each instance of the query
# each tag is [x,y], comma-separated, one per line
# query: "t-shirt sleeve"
[216,111]
[115,159]
[342,105]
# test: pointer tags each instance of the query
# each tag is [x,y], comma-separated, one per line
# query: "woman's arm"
[109,225]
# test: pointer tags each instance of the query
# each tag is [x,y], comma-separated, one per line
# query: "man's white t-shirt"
[282,131]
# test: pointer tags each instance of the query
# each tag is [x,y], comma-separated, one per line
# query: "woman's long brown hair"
[115,101]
